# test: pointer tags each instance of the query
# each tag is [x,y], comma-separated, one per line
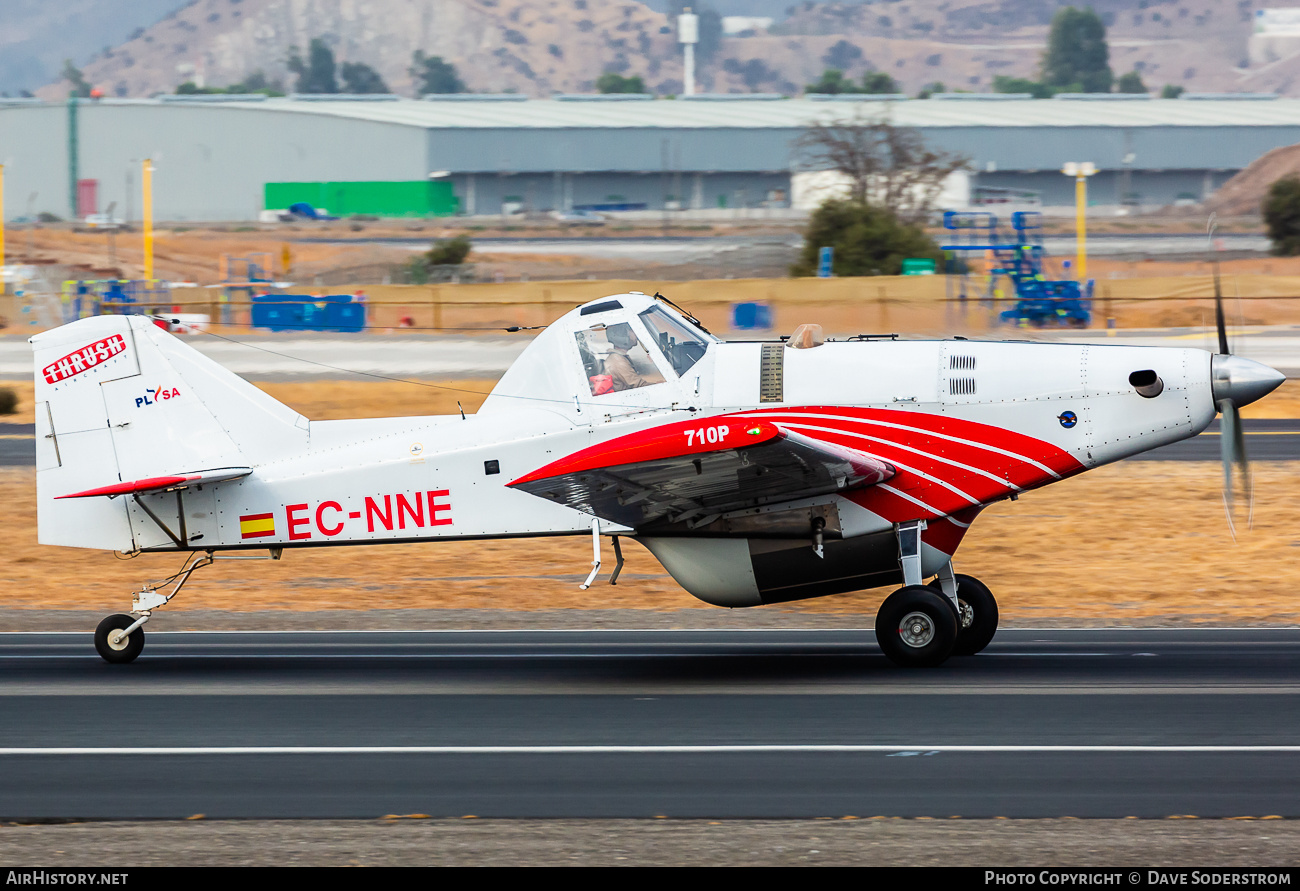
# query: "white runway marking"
[630,750]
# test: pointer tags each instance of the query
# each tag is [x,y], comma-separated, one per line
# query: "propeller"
[1235,382]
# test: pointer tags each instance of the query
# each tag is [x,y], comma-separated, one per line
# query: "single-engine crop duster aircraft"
[756,473]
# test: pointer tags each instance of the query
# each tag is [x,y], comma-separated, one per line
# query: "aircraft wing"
[691,470]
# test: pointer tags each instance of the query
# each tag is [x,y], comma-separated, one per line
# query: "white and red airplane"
[756,473]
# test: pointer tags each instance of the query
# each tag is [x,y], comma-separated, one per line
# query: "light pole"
[146,183]
[1080,171]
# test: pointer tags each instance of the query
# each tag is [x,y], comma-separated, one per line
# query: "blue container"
[305,312]
[750,316]
[345,316]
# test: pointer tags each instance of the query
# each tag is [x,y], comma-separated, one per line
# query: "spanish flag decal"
[256,525]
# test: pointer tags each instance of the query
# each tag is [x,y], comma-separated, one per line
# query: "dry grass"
[1131,541]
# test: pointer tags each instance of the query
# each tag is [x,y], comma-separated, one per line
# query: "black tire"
[974,595]
[121,653]
[916,628]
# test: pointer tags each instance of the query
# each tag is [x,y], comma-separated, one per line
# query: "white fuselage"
[965,422]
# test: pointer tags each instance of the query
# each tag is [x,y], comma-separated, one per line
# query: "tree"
[866,240]
[832,82]
[879,82]
[612,82]
[1282,215]
[1077,57]
[316,74]
[842,55]
[72,74]
[887,166]
[1171,91]
[258,82]
[432,75]
[1004,84]
[359,77]
[1130,83]
[930,89]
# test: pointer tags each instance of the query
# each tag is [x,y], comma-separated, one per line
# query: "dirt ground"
[844,841]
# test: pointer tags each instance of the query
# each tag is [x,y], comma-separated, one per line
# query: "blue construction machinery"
[1040,301]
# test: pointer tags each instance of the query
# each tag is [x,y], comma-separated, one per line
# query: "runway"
[1046,723]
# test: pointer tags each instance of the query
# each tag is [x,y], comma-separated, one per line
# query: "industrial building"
[214,156]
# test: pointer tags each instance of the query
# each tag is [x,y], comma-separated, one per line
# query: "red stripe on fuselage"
[945,535]
[970,443]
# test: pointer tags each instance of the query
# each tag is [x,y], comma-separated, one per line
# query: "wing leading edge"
[696,470]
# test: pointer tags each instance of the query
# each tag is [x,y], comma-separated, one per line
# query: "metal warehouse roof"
[762,112]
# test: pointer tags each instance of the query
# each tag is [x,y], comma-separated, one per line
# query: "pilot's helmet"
[621,336]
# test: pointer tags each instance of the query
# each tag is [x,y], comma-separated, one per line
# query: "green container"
[417,198]
[918,266]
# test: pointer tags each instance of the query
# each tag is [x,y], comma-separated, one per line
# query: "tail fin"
[118,399]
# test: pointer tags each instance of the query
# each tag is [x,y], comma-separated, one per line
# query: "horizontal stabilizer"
[164,483]
[691,470]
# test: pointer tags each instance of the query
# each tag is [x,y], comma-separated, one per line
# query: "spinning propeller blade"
[1235,382]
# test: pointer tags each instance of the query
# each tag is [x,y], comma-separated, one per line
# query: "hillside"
[539,47]
[531,46]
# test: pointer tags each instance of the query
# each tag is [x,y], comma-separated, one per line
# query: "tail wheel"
[915,627]
[112,646]
[978,615]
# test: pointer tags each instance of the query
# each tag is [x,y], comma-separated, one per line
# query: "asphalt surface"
[770,724]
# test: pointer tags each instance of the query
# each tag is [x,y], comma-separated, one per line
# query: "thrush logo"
[84,359]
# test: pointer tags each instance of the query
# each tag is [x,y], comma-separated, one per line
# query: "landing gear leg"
[977,611]
[915,626]
[120,638]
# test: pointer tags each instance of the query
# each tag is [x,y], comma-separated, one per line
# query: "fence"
[903,304]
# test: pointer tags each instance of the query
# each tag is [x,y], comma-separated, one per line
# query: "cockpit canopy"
[618,350]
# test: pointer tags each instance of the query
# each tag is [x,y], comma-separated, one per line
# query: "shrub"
[1282,215]
[867,240]
[448,251]
[8,401]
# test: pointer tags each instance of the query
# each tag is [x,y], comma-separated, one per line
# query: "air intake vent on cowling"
[964,362]
[961,386]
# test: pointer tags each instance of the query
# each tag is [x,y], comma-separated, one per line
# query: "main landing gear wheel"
[978,615]
[916,627]
[112,646]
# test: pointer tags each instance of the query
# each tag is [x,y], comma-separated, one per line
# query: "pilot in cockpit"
[617,364]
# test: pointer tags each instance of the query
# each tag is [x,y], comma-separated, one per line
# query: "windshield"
[682,346]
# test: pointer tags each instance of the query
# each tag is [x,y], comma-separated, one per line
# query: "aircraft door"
[619,373]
